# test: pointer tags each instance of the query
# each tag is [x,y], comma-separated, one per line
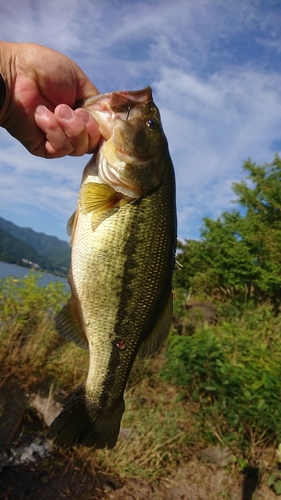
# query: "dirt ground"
[61,478]
[29,476]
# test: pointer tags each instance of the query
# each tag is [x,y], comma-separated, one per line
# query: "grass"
[159,431]
[233,371]
[218,386]
[156,440]
[30,348]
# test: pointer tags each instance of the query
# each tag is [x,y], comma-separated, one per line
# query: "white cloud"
[213,126]
[50,185]
[218,95]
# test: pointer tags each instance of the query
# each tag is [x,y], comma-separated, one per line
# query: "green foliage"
[274,479]
[274,482]
[239,250]
[233,372]
[21,296]
[30,348]
[35,357]
[189,257]
[229,378]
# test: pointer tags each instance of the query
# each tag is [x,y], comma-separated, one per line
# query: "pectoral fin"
[95,196]
[160,331]
[68,324]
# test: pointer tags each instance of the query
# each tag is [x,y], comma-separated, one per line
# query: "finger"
[92,128]
[67,132]
[57,143]
[74,128]
[80,128]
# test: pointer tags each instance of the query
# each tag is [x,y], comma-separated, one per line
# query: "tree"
[239,250]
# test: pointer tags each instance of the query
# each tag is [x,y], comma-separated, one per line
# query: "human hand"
[42,87]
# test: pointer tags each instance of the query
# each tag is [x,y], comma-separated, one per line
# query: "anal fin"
[156,338]
[68,324]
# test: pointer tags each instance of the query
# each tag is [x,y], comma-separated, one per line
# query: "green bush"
[234,372]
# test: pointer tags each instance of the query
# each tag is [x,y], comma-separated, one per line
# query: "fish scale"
[124,239]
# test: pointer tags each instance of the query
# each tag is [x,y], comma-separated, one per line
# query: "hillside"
[14,250]
[17,243]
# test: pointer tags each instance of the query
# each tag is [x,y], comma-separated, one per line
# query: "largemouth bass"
[123,250]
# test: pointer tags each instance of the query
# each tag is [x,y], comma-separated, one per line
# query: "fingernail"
[42,110]
[83,115]
[66,113]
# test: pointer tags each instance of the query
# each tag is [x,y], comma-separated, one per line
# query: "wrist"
[2,92]
[6,64]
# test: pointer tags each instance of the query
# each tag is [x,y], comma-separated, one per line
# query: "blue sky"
[215,70]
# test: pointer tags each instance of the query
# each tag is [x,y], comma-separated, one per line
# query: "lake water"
[19,272]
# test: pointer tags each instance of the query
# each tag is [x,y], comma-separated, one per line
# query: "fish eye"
[152,124]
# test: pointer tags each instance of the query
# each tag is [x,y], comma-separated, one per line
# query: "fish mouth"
[124,101]
[128,157]
[118,102]
[112,155]
[106,108]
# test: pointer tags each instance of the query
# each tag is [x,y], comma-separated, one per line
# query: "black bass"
[123,250]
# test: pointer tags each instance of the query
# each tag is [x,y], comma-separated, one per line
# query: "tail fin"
[83,422]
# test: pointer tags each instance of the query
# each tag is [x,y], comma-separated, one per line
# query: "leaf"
[271,480]
[277,487]
[261,404]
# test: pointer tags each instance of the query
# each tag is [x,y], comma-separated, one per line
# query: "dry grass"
[158,431]
[31,350]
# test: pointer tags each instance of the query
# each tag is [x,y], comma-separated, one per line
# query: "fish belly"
[121,271]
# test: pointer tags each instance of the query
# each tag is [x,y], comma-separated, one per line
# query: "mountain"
[14,250]
[17,243]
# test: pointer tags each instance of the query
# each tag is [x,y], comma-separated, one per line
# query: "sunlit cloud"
[215,71]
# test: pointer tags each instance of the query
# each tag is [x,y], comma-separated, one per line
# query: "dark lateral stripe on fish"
[126,343]
[122,263]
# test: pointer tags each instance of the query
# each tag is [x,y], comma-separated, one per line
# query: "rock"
[126,433]
[48,408]
[12,411]
[202,312]
[199,313]
[221,457]
[30,453]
